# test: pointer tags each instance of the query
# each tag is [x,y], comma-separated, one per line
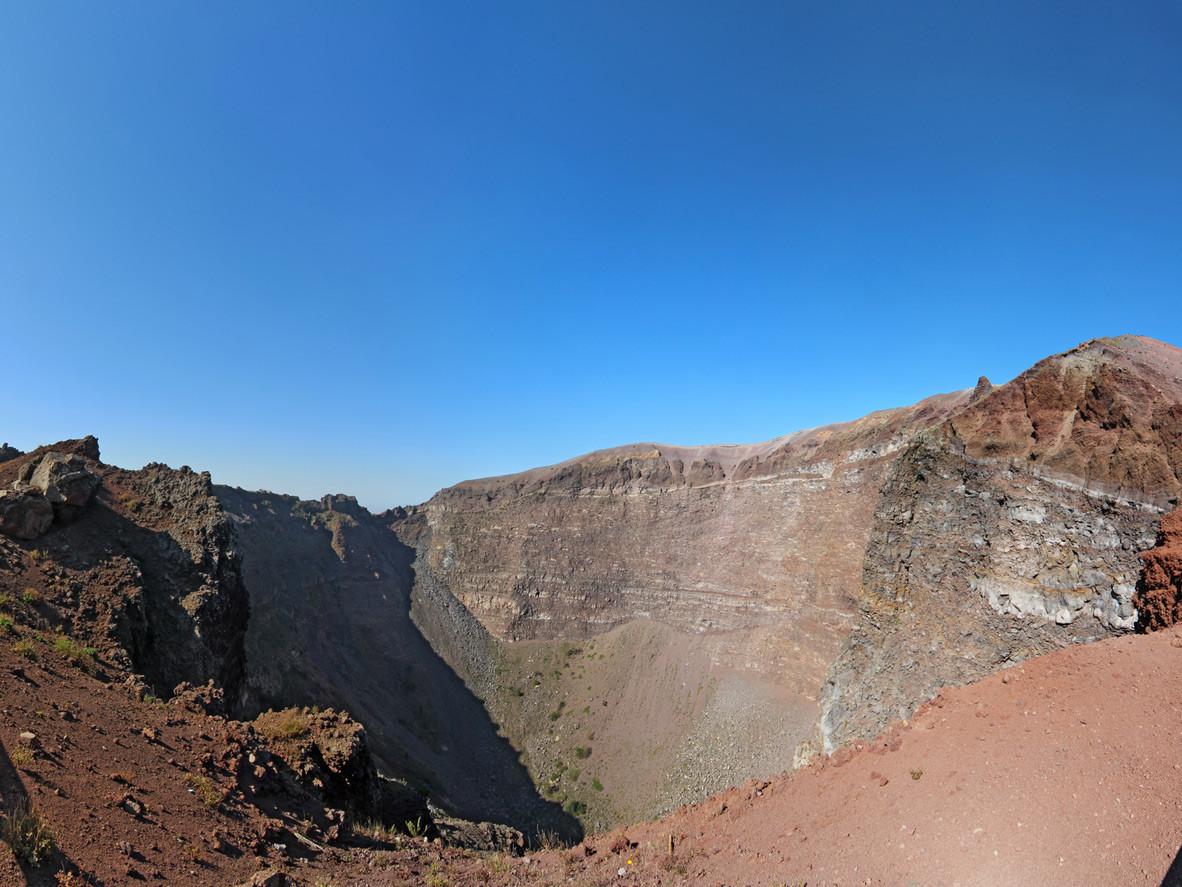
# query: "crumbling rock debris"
[1159,589]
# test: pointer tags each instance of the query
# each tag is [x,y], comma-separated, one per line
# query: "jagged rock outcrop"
[149,560]
[1159,590]
[1012,529]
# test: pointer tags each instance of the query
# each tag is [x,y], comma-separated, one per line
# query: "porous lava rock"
[1159,590]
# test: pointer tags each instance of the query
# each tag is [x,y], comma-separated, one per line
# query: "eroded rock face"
[1159,590]
[1012,529]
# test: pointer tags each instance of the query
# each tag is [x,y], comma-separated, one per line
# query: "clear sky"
[381,247]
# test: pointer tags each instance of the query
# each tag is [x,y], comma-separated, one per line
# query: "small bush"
[24,648]
[6,626]
[5,601]
[29,836]
[31,596]
[596,784]
[583,752]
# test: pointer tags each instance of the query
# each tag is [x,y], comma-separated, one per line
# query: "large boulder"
[24,512]
[65,480]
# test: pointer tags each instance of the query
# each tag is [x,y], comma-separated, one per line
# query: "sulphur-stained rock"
[24,512]
[65,480]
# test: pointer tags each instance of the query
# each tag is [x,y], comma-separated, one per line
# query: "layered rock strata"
[753,552]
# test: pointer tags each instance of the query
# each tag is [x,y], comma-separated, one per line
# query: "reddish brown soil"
[1159,592]
[1064,770]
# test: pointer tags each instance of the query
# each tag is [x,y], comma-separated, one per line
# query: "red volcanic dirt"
[1064,770]
[1159,592]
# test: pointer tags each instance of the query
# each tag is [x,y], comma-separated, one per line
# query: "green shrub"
[24,648]
[583,751]
[596,784]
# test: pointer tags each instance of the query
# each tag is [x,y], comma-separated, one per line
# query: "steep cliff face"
[753,552]
[329,587]
[1012,529]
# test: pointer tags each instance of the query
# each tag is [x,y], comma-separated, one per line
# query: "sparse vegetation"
[28,834]
[416,827]
[32,597]
[548,840]
[916,773]
[204,789]
[22,755]
[79,657]
[596,784]
[6,626]
[285,725]
[25,649]
[583,752]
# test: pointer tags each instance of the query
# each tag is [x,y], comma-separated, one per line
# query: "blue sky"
[378,248]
